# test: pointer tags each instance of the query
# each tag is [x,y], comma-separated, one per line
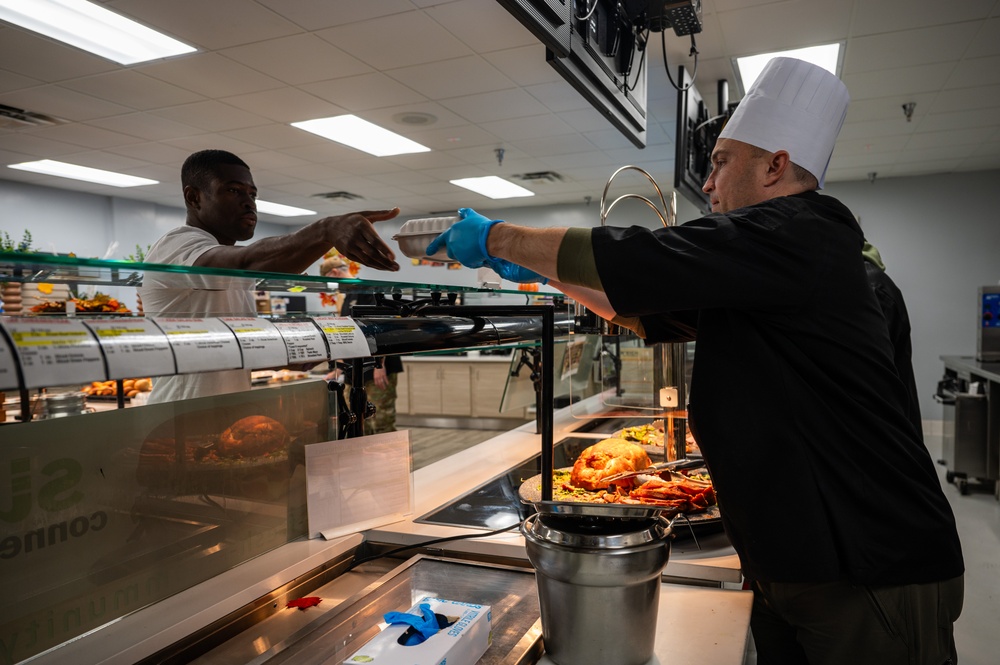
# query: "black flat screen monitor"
[548,20]
[697,132]
[600,56]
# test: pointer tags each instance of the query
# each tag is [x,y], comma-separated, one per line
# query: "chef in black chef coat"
[825,488]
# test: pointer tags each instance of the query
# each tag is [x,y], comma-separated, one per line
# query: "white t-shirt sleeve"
[182,246]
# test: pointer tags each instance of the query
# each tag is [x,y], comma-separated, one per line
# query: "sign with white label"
[133,347]
[8,368]
[344,337]
[55,351]
[201,345]
[260,341]
[303,340]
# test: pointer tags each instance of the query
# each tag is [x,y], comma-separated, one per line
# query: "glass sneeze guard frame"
[26,267]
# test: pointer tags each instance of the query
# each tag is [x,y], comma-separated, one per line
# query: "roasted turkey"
[604,459]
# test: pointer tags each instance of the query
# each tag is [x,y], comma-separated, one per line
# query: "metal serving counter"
[970,396]
[714,621]
[708,613]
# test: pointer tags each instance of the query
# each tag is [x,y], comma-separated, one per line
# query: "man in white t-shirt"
[220,197]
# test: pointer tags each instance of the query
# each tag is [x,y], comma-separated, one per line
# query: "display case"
[115,504]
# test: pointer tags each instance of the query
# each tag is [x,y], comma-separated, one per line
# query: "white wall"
[939,237]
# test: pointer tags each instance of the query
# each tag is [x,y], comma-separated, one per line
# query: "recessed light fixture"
[281,210]
[749,67]
[77,172]
[360,134]
[493,187]
[92,28]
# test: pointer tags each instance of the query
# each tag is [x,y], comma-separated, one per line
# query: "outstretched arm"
[352,234]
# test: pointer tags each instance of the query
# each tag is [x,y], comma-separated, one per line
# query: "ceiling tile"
[212,142]
[285,105]
[55,100]
[554,145]
[132,89]
[897,50]
[874,18]
[211,75]
[497,105]
[297,59]
[38,147]
[974,72]
[558,97]
[396,41]
[760,28]
[482,24]
[319,14]
[85,136]
[209,25]
[453,138]
[212,116]
[31,54]
[987,40]
[453,78]
[156,152]
[273,136]
[964,99]
[524,65]
[535,127]
[367,91]
[146,126]
[898,82]
[11,81]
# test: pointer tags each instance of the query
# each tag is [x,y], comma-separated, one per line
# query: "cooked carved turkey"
[604,459]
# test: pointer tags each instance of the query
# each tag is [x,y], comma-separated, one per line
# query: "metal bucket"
[598,586]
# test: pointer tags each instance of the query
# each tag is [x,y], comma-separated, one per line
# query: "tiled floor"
[977,631]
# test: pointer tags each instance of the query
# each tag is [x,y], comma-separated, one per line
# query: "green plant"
[8,244]
[139,256]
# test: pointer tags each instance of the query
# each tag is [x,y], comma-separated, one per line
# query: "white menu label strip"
[303,340]
[133,348]
[261,342]
[201,345]
[8,368]
[55,351]
[344,337]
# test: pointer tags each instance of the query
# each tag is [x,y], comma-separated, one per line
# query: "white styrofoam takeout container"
[416,234]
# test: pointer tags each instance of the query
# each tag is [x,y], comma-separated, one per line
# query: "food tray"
[416,234]
[530,492]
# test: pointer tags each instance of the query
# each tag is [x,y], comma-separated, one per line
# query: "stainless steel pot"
[61,405]
[598,586]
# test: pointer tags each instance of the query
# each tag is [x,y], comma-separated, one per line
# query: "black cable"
[426,543]
[694,52]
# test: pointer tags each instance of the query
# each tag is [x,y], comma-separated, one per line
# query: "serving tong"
[658,468]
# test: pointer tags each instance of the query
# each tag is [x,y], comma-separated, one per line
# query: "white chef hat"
[795,106]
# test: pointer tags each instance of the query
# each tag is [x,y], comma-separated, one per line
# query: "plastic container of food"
[416,234]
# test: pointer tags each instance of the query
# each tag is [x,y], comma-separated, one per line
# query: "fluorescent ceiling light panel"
[827,56]
[493,187]
[92,28]
[282,210]
[360,134]
[64,170]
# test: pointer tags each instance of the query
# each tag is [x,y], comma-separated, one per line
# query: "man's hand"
[466,239]
[381,378]
[355,237]
[513,272]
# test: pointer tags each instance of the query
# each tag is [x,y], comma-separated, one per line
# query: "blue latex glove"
[513,272]
[425,625]
[466,239]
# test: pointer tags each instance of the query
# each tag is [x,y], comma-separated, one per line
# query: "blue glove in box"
[459,635]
